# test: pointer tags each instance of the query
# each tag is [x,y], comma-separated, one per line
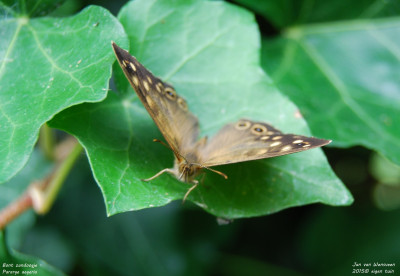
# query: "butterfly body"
[185,170]
[241,141]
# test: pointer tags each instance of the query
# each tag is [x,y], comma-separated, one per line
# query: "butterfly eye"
[171,94]
[241,125]
[258,129]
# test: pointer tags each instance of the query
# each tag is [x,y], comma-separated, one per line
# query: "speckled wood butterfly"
[241,141]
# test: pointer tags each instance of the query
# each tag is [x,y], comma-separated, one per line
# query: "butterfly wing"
[247,140]
[169,111]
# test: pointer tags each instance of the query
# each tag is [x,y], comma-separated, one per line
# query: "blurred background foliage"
[77,238]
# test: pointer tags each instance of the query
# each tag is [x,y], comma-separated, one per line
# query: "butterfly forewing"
[168,110]
[247,140]
[242,141]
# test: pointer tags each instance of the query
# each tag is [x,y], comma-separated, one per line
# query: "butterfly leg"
[196,183]
[158,174]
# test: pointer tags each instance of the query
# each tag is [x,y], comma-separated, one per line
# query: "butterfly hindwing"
[168,110]
[248,140]
[242,141]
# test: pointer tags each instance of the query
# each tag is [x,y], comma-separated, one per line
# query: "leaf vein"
[344,93]
[53,63]
[194,53]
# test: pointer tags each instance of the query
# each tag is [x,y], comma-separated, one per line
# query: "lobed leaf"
[210,52]
[285,13]
[29,8]
[344,77]
[47,65]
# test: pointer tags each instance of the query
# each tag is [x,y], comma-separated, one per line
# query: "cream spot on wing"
[277,138]
[182,104]
[159,86]
[150,80]
[297,141]
[146,85]
[124,62]
[264,138]
[262,151]
[274,144]
[132,66]
[286,148]
[306,145]
[150,102]
[135,80]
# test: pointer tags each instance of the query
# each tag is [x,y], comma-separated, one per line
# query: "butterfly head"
[185,170]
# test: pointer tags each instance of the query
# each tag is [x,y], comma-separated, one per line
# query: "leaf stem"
[41,194]
[44,194]
[46,141]
[14,209]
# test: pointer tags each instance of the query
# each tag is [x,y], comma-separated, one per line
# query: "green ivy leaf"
[210,52]
[47,65]
[293,12]
[29,8]
[344,77]
[14,262]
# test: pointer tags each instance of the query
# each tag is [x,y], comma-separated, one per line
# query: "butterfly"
[240,141]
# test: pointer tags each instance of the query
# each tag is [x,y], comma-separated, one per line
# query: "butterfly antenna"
[218,172]
[178,154]
[161,142]
[174,151]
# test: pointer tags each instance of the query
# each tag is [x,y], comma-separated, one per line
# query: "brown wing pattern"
[168,110]
[247,140]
